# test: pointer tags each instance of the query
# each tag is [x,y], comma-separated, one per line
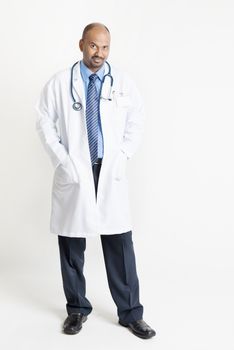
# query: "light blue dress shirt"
[85,73]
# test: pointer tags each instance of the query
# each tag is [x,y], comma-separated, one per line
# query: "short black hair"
[91,26]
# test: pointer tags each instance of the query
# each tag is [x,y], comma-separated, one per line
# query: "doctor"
[90,121]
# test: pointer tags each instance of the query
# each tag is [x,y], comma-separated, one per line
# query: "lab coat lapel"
[78,86]
[106,85]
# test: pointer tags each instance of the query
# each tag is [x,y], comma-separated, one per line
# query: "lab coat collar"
[77,73]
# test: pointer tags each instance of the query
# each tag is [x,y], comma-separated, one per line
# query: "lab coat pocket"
[120,171]
[122,100]
[66,173]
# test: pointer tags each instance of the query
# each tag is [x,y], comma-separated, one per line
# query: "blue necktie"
[92,111]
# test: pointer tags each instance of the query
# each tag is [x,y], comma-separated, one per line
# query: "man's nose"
[99,52]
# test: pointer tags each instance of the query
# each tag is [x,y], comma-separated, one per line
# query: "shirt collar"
[86,72]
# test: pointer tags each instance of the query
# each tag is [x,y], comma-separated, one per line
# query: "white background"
[180,54]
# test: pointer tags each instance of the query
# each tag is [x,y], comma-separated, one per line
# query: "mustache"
[98,57]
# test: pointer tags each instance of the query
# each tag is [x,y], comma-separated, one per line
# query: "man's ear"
[81,45]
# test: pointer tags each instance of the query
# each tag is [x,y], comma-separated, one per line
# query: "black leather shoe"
[140,328]
[73,323]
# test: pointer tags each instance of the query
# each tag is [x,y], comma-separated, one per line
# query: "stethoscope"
[77,106]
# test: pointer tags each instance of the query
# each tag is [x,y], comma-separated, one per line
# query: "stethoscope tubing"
[77,106]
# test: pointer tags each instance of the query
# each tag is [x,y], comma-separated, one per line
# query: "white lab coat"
[75,211]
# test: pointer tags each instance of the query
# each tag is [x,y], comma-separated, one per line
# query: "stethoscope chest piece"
[77,106]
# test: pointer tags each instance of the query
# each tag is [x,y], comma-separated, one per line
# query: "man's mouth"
[97,59]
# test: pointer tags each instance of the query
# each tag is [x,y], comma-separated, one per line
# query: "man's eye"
[93,46]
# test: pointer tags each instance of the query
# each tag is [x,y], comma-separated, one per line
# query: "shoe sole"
[76,332]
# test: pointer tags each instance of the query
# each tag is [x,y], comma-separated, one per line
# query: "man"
[90,121]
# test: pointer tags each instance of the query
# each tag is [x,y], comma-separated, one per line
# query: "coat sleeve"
[46,124]
[134,124]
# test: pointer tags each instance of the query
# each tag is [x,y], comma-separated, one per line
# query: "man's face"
[95,47]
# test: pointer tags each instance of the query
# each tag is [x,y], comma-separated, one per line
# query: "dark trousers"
[120,266]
